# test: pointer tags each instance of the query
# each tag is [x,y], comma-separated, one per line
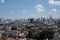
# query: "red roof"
[13,31]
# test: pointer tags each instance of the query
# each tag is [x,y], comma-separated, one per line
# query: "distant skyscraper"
[30,20]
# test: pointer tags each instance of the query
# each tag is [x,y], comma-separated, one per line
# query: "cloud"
[53,11]
[2,1]
[32,16]
[52,2]
[39,8]
[24,11]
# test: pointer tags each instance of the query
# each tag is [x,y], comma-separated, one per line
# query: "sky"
[15,9]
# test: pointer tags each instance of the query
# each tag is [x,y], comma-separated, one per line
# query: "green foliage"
[14,28]
[31,34]
[45,34]
[28,28]
[41,35]
[4,28]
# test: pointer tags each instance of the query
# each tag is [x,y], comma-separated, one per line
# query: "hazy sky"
[16,9]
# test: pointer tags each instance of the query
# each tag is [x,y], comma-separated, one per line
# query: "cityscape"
[7,26]
[29,19]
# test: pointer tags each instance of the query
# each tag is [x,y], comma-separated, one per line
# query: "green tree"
[45,34]
[14,28]
[31,34]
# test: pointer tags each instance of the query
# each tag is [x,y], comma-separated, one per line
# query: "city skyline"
[15,9]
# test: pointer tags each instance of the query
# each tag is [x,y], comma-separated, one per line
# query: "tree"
[45,34]
[4,28]
[31,34]
[14,28]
